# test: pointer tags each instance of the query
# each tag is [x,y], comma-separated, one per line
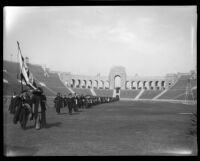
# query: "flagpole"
[20,68]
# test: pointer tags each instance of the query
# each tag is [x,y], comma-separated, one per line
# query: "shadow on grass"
[64,113]
[48,125]
[75,113]
[55,124]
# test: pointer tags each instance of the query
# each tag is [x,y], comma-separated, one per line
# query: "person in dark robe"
[37,109]
[70,103]
[58,103]
[65,100]
[12,106]
[43,100]
[23,109]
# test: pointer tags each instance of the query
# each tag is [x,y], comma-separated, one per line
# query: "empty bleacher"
[52,81]
[104,92]
[82,91]
[51,84]
[179,89]
[150,94]
[129,93]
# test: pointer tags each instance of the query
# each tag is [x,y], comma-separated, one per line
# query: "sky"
[86,40]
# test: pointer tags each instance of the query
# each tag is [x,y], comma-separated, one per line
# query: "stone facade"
[127,82]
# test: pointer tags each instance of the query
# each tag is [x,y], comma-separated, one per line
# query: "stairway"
[139,94]
[93,92]
[160,94]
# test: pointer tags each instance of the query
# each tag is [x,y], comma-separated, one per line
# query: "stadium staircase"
[93,92]
[160,94]
[138,96]
[150,94]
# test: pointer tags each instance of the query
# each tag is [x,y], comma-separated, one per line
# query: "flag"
[25,74]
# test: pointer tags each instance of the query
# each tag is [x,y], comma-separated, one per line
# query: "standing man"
[11,108]
[65,101]
[37,108]
[58,103]
[43,100]
[70,103]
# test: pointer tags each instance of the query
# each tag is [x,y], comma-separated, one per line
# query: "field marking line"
[186,113]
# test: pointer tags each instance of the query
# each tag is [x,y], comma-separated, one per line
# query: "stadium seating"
[82,91]
[179,89]
[51,85]
[150,94]
[129,93]
[52,81]
[104,92]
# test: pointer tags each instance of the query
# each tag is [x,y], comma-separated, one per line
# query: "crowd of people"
[32,105]
[29,105]
[76,102]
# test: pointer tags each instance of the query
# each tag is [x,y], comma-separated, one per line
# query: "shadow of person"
[64,113]
[75,113]
[54,124]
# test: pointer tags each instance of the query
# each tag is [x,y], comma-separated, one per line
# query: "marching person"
[43,100]
[65,100]
[58,103]
[11,108]
[70,103]
[37,109]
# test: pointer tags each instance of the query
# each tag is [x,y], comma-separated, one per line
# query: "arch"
[117,81]
[100,84]
[139,85]
[146,85]
[117,71]
[72,83]
[163,84]
[95,84]
[83,84]
[107,84]
[89,84]
[128,85]
[151,84]
[134,85]
[156,84]
[143,84]
[78,83]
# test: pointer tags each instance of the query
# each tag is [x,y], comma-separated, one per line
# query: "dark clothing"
[70,105]
[43,110]
[13,104]
[65,101]
[36,103]
[58,103]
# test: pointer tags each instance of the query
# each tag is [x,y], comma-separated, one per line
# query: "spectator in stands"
[58,103]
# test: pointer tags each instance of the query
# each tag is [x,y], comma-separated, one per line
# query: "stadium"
[154,115]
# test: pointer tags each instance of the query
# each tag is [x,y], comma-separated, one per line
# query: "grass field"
[119,128]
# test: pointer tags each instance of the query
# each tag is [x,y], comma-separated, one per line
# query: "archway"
[117,71]
[117,82]
[72,83]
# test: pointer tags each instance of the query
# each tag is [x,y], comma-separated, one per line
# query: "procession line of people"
[32,105]
[75,102]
